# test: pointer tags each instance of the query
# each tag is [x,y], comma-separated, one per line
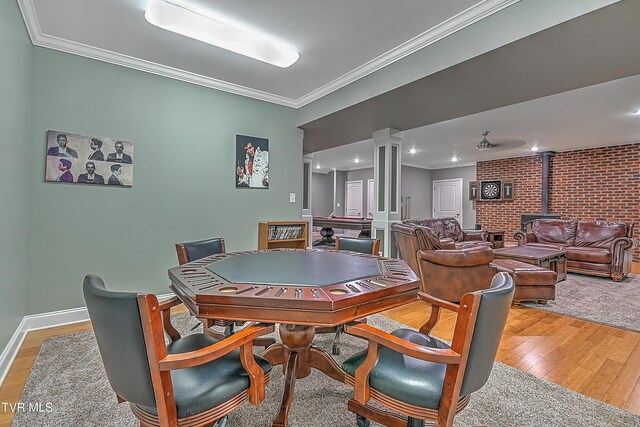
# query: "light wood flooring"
[592,359]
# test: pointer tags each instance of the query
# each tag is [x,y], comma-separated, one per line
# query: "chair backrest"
[489,325]
[364,246]
[115,317]
[191,251]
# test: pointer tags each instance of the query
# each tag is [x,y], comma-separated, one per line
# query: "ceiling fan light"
[484,145]
[193,24]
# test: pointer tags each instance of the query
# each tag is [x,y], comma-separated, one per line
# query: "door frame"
[433,198]
[371,202]
[346,196]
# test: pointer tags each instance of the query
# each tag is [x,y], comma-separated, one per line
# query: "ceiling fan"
[484,145]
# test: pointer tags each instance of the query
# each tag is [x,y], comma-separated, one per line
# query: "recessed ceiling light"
[317,166]
[356,160]
[534,148]
[203,26]
[413,151]
[454,159]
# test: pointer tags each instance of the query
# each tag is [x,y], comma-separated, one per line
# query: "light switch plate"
[338,204]
[292,197]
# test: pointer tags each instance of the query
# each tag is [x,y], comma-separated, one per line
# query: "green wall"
[183,187]
[15,81]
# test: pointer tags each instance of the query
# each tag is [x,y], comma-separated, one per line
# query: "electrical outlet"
[292,197]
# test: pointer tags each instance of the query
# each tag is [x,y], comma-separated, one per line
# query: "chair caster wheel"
[335,350]
[362,421]
[414,422]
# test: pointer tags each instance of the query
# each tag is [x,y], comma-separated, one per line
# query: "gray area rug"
[68,373]
[598,300]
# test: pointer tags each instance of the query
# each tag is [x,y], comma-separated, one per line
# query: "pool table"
[346,223]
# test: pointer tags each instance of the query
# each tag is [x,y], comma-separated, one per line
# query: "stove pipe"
[546,161]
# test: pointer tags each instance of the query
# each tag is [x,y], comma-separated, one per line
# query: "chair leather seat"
[587,254]
[206,386]
[405,378]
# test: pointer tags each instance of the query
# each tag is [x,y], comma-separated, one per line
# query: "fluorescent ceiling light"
[201,26]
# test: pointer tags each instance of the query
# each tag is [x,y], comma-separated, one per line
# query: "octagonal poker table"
[300,290]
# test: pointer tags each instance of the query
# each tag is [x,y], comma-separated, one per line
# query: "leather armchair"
[422,377]
[410,238]
[449,274]
[193,380]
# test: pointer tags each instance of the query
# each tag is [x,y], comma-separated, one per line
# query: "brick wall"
[586,184]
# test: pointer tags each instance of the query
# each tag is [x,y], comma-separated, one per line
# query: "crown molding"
[75,48]
[440,31]
[450,26]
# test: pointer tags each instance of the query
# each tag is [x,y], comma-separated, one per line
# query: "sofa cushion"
[414,381]
[599,234]
[586,254]
[452,229]
[554,231]
[583,267]
[433,223]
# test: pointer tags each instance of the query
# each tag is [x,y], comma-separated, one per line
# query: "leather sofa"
[449,230]
[598,248]
[448,273]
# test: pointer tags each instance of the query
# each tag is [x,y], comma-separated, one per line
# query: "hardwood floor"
[592,359]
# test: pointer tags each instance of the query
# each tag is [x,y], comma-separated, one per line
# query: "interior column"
[386,174]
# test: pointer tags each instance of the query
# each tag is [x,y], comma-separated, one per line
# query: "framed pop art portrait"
[81,159]
[252,162]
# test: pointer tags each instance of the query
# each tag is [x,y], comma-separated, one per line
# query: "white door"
[371,198]
[353,199]
[447,199]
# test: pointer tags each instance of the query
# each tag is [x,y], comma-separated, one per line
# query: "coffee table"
[551,258]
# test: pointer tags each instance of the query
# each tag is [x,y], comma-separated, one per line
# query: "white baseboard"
[11,350]
[34,322]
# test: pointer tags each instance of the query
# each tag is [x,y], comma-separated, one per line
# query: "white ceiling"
[339,41]
[594,116]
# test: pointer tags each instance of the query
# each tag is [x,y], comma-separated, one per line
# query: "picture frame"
[80,159]
[474,190]
[252,162]
[507,189]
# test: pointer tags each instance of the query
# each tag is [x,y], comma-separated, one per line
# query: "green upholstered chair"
[424,378]
[193,251]
[194,380]
[353,244]
[364,246]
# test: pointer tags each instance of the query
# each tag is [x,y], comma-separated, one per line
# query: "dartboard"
[490,190]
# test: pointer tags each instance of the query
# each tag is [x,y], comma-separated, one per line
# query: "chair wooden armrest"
[439,302]
[377,337]
[214,351]
[436,304]
[436,355]
[165,310]
[167,304]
